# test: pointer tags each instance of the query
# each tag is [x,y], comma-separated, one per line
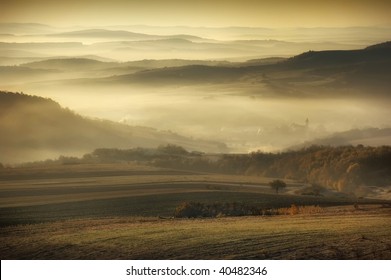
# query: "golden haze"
[278,13]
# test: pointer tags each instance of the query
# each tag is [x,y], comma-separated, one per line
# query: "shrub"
[189,210]
[305,210]
[200,210]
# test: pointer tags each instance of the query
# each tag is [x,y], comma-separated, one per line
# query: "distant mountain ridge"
[70,64]
[120,34]
[312,73]
[103,33]
[124,43]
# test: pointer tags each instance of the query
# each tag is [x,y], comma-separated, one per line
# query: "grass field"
[124,212]
[335,235]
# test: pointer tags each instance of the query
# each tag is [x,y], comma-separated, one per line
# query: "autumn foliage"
[201,210]
[341,168]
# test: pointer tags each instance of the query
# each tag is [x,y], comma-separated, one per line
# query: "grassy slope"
[41,194]
[41,128]
[110,212]
[336,235]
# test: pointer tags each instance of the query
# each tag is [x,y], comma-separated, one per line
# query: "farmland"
[337,235]
[124,211]
[190,130]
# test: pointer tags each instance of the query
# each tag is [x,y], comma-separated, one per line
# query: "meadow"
[125,211]
[339,234]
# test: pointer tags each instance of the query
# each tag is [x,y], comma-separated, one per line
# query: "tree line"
[342,168]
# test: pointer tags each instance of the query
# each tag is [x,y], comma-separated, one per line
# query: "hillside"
[314,73]
[129,44]
[85,64]
[38,128]
[189,74]
[359,170]
[258,104]
[82,64]
[16,74]
[326,73]
[375,53]
[368,137]
[64,68]
[118,35]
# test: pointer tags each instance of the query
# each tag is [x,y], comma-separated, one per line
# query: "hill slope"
[37,128]
[367,136]
[70,64]
[314,73]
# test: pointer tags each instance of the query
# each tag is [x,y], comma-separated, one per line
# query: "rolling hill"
[189,74]
[314,73]
[324,59]
[125,44]
[91,64]
[35,128]
[79,67]
[71,64]
[120,35]
[368,137]
[17,74]
[103,33]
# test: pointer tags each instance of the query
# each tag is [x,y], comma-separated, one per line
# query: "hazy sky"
[264,13]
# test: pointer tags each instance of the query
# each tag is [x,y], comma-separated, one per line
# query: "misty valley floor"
[339,234]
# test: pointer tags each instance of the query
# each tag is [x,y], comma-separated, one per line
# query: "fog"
[252,105]
[137,42]
[244,122]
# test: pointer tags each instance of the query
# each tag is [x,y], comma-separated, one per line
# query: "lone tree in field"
[277,184]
